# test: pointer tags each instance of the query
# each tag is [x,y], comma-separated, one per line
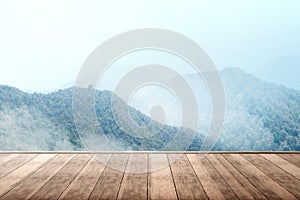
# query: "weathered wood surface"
[160,176]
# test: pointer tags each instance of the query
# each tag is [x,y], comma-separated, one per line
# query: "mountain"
[45,122]
[259,116]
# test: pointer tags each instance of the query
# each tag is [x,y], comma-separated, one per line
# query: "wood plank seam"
[28,175]
[54,175]
[75,176]
[280,189]
[281,167]
[123,175]
[91,174]
[248,170]
[148,165]
[8,157]
[61,167]
[246,177]
[223,178]
[270,176]
[100,176]
[93,164]
[19,166]
[176,189]
[196,174]
[290,159]
[247,187]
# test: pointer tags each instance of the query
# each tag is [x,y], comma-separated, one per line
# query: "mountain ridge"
[260,116]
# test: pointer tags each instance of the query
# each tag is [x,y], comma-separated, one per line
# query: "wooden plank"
[35,181]
[232,178]
[283,164]
[14,163]
[6,157]
[248,176]
[3,155]
[286,180]
[13,178]
[212,182]
[134,184]
[109,182]
[186,181]
[293,158]
[208,183]
[86,180]
[161,185]
[60,181]
[265,184]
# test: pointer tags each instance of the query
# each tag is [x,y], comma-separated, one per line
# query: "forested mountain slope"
[45,122]
[259,116]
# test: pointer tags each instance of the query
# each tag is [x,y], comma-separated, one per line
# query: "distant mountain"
[259,116]
[45,122]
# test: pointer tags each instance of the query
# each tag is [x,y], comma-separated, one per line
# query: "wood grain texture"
[293,158]
[15,163]
[86,180]
[10,180]
[162,176]
[160,185]
[35,181]
[60,181]
[109,183]
[283,164]
[185,179]
[239,184]
[286,180]
[205,176]
[6,157]
[264,183]
[134,184]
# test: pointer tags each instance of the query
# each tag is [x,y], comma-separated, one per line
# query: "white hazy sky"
[44,43]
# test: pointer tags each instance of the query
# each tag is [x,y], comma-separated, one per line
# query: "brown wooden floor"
[217,176]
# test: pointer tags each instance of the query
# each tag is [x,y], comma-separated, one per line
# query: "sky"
[43,44]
